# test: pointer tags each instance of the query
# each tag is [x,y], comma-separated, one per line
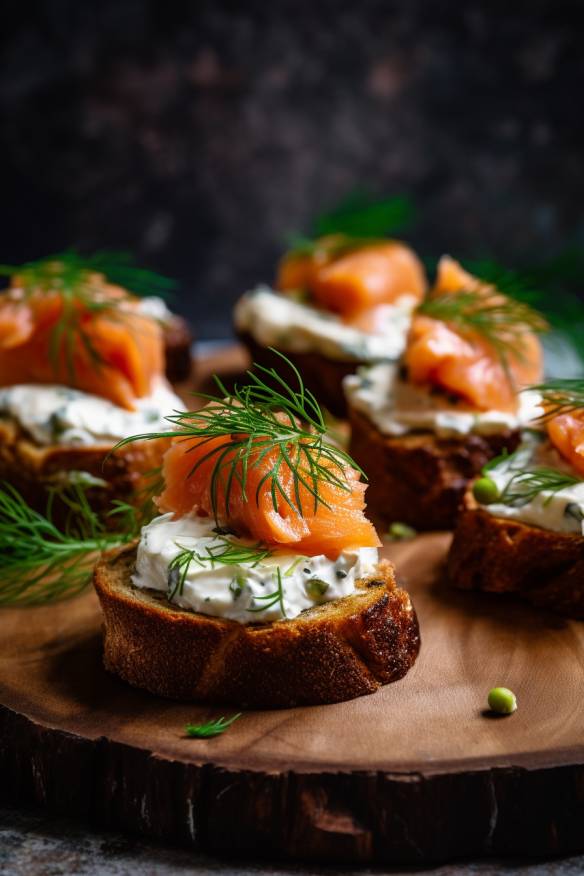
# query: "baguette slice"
[32,469]
[322,376]
[178,339]
[333,652]
[498,555]
[417,478]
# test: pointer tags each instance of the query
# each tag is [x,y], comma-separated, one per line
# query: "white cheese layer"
[154,307]
[561,511]
[279,586]
[397,407]
[61,415]
[277,320]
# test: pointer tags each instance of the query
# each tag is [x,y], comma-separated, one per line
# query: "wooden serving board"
[417,772]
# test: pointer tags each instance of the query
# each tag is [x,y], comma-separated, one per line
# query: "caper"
[485,491]
[316,588]
[502,700]
[236,586]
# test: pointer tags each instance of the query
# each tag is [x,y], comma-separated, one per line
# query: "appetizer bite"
[522,527]
[81,366]
[259,584]
[421,429]
[339,302]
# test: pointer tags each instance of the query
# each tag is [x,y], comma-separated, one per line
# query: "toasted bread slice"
[32,469]
[499,555]
[323,376]
[178,339]
[417,478]
[333,652]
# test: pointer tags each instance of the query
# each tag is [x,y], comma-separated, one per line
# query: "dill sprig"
[40,562]
[266,415]
[68,270]
[79,281]
[560,396]
[500,321]
[210,728]
[223,552]
[362,216]
[268,600]
[526,485]
[358,221]
[550,285]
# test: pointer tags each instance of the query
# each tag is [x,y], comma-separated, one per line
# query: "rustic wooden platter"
[418,772]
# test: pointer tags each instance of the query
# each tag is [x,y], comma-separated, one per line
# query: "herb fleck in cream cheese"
[276,586]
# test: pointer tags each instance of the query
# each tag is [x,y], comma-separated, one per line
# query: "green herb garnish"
[255,420]
[548,285]
[39,562]
[526,485]
[211,728]
[362,216]
[69,271]
[500,321]
[358,221]
[224,552]
[561,396]
[271,599]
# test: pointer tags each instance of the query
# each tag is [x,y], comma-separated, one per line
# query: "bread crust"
[418,478]
[323,376]
[178,339]
[498,555]
[333,652]
[32,469]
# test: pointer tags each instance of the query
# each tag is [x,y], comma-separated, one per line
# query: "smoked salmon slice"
[328,529]
[566,433]
[350,281]
[463,362]
[98,344]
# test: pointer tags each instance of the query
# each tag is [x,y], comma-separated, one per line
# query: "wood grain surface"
[417,772]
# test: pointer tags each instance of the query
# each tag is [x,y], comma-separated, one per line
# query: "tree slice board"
[418,772]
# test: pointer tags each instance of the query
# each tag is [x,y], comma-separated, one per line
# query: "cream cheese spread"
[154,307]
[278,586]
[278,320]
[53,414]
[558,511]
[397,407]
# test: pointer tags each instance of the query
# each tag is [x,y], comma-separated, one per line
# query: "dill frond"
[210,728]
[561,396]
[526,485]
[487,314]
[358,221]
[264,416]
[40,562]
[224,552]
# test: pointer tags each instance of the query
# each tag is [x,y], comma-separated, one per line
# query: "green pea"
[485,491]
[502,700]
[401,531]
[316,588]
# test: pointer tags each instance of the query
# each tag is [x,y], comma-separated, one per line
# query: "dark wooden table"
[35,844]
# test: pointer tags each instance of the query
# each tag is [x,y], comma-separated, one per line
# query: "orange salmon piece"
[566,433]
[358,280]
[112,352]
[323,530]
[466,364]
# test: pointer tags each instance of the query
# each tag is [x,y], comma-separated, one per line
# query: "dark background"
[200,134]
